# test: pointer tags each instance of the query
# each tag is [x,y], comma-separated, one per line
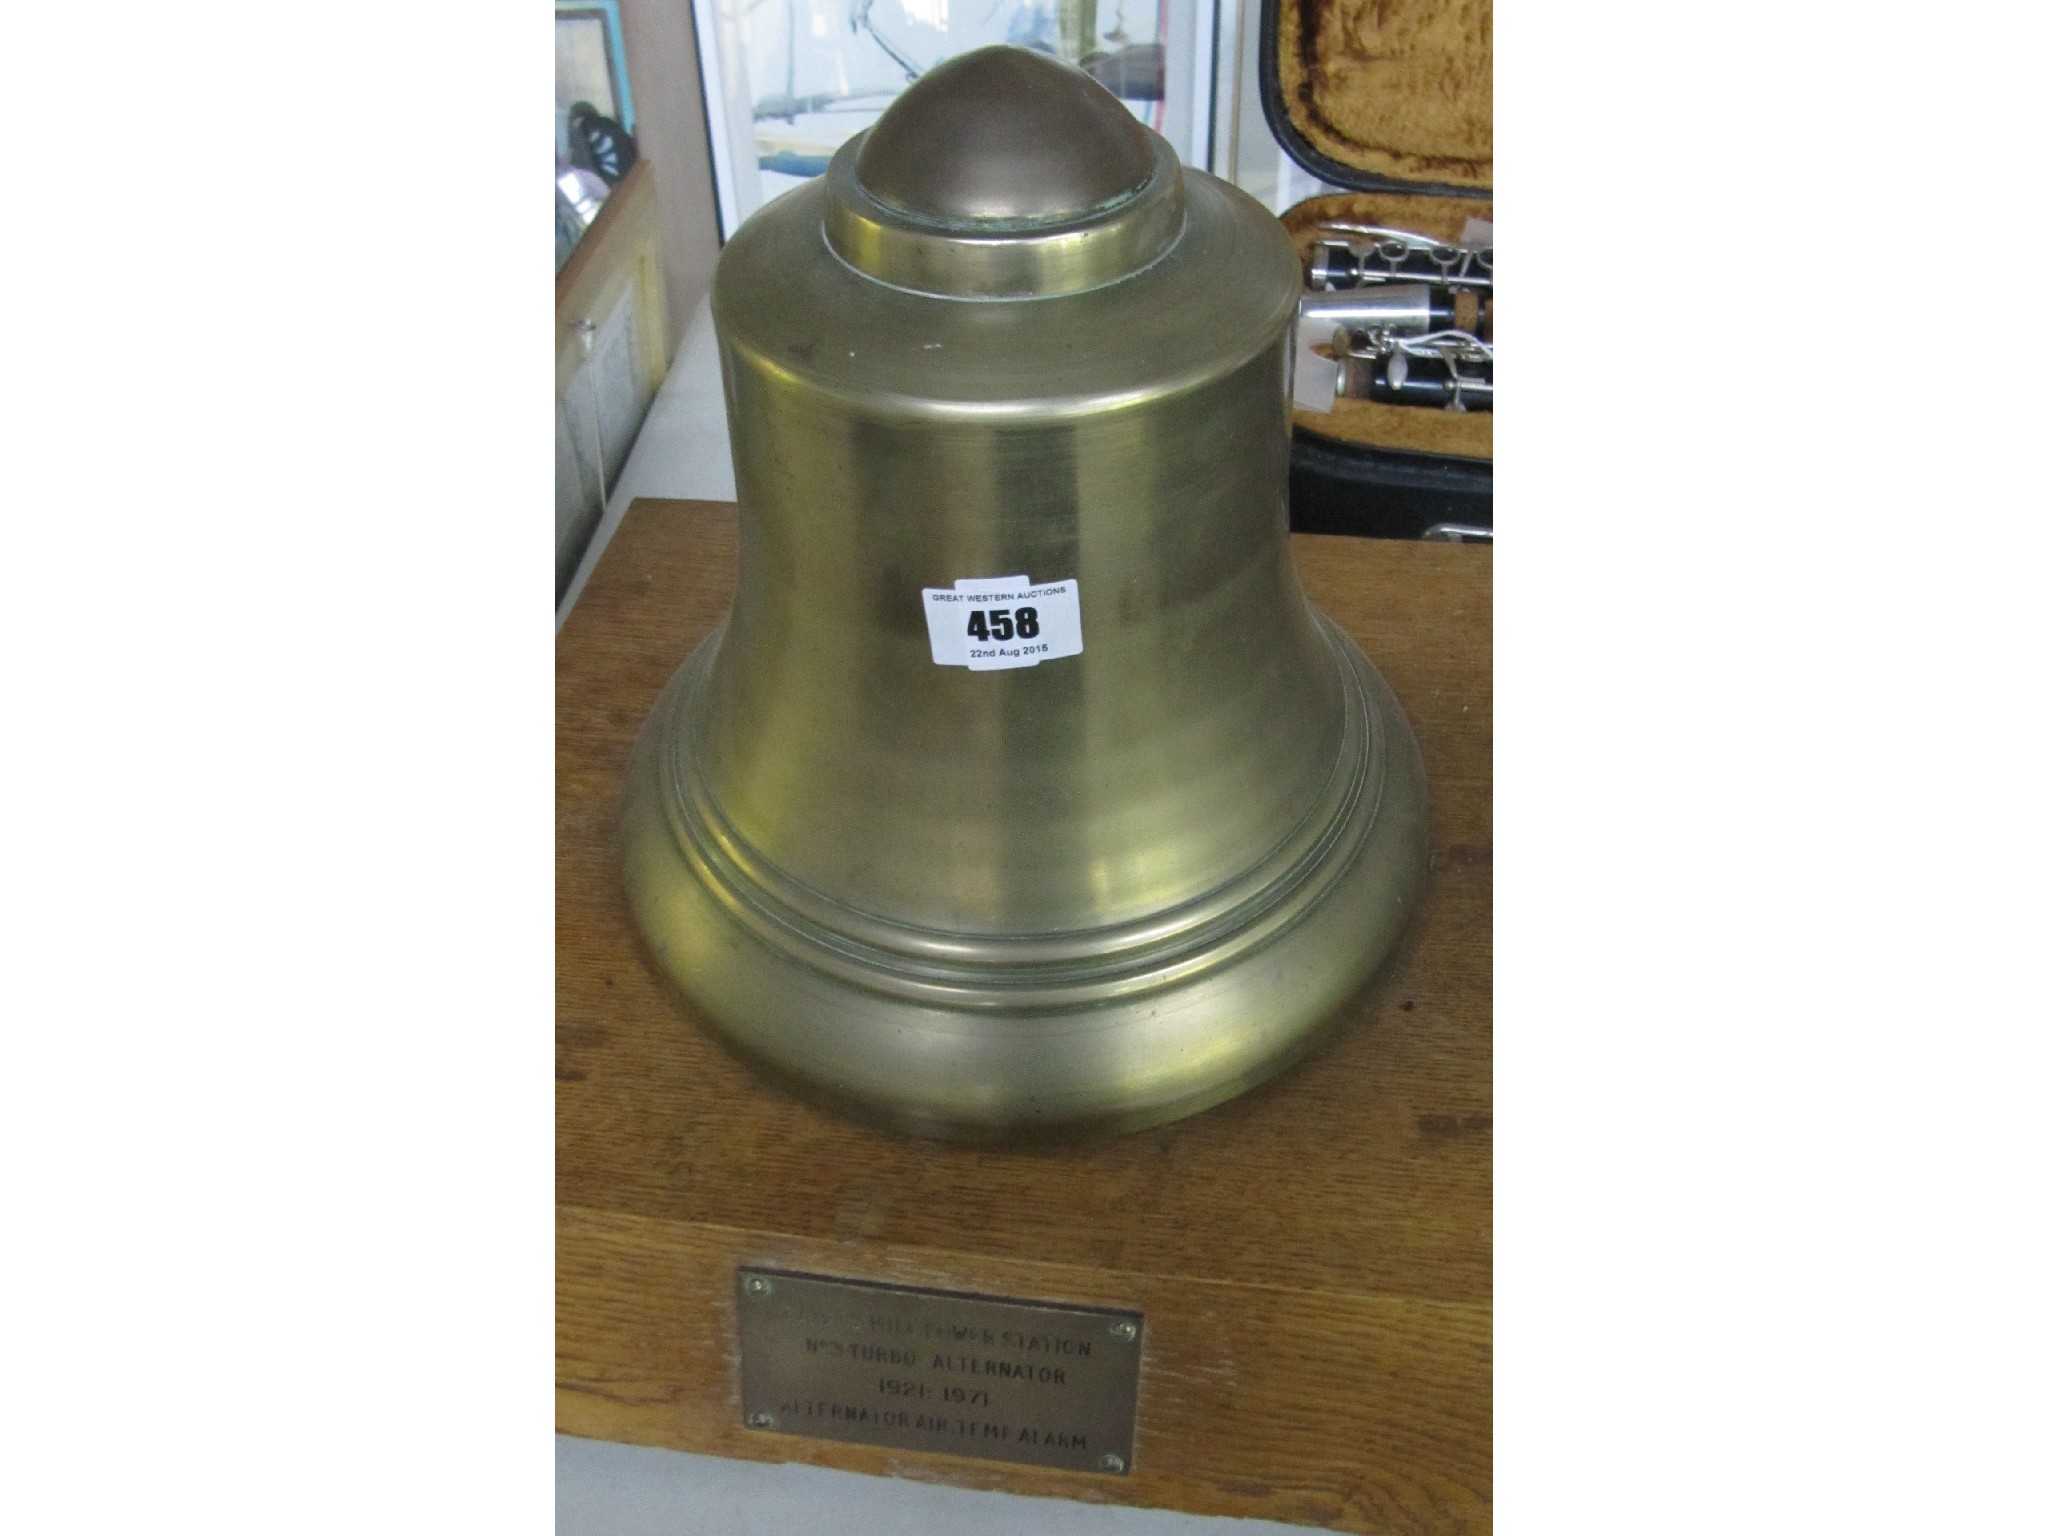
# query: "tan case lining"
[1401,89]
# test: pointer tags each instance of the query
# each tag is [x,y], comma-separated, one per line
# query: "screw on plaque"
[760,1420]
[1111,1462]
[756,1286]
[1125,1330]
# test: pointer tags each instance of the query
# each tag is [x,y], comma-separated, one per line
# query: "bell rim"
[1001,973]
[933,1067]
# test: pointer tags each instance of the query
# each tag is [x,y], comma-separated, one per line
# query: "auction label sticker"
[988,624]
[1038,1383]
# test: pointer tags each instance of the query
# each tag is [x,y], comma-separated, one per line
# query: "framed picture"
[590,64]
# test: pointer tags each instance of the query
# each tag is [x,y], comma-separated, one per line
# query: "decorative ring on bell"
[1032,972]
[994,259]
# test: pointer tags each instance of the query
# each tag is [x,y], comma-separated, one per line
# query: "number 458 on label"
[988,624]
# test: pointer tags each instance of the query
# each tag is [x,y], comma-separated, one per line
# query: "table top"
[1365,1172]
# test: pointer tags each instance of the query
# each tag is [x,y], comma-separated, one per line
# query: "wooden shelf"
[1313,1260]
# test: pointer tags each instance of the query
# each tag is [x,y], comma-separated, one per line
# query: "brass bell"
[1022,790]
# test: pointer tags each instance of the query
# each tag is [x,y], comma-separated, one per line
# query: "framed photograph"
[590,64]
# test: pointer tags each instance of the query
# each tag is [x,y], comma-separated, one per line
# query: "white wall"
[668,108]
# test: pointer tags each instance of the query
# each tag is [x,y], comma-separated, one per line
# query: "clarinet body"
[1412,316]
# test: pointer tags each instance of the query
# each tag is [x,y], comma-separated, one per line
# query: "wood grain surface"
[1313,1259]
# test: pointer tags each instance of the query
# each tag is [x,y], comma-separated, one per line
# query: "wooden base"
[1313,1260]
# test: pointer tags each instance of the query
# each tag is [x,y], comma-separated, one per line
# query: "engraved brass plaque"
[1019,1381]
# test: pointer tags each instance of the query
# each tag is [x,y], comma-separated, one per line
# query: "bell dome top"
[1003,173]
[1004,136]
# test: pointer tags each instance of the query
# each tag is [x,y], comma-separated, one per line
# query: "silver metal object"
[1451,370]
[1414,316]
[1031,1382]
[1366,254]
[1392,309]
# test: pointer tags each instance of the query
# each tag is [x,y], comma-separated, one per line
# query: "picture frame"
[590,63]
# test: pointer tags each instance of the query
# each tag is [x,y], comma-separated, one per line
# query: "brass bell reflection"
[1022,790]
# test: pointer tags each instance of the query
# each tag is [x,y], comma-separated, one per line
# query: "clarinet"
[1449,370]
[1366,254]
[1412,316]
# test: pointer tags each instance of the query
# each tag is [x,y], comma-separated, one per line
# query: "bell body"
[1128,863]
